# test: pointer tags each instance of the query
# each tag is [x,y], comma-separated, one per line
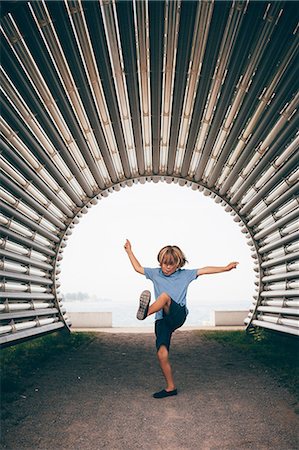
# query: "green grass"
[278,352]
[21,361]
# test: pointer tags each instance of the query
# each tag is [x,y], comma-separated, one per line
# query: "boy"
[170,285]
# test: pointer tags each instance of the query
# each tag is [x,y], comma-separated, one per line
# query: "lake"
[124,312]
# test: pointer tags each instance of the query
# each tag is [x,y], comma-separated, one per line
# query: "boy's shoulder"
[152,270]
[188,274]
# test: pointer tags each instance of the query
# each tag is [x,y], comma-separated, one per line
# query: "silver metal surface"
[101,95]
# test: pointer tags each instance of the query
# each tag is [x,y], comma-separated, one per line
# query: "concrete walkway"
[99,397]
[149,330]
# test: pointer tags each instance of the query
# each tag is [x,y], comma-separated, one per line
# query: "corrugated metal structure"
[98,95]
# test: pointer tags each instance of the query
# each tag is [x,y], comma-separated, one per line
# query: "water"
[124,313]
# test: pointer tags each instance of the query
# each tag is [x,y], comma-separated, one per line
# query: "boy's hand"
[127,246]
[232,265]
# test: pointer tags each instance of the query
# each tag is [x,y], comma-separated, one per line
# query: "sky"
[151,216]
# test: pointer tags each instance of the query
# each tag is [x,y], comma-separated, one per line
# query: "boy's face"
[168,268]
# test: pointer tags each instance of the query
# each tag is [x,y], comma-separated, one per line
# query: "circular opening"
[96,274]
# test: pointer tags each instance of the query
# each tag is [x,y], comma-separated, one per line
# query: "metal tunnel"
[98,95]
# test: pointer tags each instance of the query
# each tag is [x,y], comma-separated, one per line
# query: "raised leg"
[162,302]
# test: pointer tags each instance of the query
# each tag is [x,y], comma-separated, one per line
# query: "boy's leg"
[144,310]
[166,367]
[163,336]
[162,302]
[163,330]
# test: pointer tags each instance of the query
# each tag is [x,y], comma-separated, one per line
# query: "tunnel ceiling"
[100,95]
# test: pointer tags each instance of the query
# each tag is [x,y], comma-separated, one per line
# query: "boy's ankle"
[170,388]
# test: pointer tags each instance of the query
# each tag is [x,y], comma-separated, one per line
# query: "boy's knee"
[166,298]
[162,353]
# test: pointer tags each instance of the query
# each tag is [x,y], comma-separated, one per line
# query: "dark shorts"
[170,322]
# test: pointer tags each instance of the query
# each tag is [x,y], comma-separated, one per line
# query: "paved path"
[99,397]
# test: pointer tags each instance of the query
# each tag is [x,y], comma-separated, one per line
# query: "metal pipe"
[22,277]
[213,110]
[293,191]
[31,175]
[128,41]
[44,211]
[291,303]
[282,259]
[279,242]
[26,136]
[281,276]
[25,325]
[9,307]
[111,27]
[29,313]
[276,327]
[265,125]
[279,320]
[27,295]
[277,310]
[41,114]
[63,117]
[279,175]
[181,64]
[8,339]
[30,223]
[267,159]
[28,242]
[90,126]
[278,224]
[25,259]
[281,293]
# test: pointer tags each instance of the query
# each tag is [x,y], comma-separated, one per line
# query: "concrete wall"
[104,319]
[229,318]
[91,319]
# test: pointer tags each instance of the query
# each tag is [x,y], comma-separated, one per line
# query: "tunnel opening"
[97,278]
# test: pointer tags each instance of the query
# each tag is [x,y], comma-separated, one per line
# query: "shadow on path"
[99,397]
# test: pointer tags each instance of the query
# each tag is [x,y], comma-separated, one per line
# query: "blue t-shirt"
[175,285]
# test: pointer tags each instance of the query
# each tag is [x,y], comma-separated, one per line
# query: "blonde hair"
[171,254]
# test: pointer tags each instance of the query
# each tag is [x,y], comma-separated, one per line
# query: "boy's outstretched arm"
[134,261]
[218,269]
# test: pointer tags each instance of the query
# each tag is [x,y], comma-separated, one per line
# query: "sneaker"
[144,302]
[163,393]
